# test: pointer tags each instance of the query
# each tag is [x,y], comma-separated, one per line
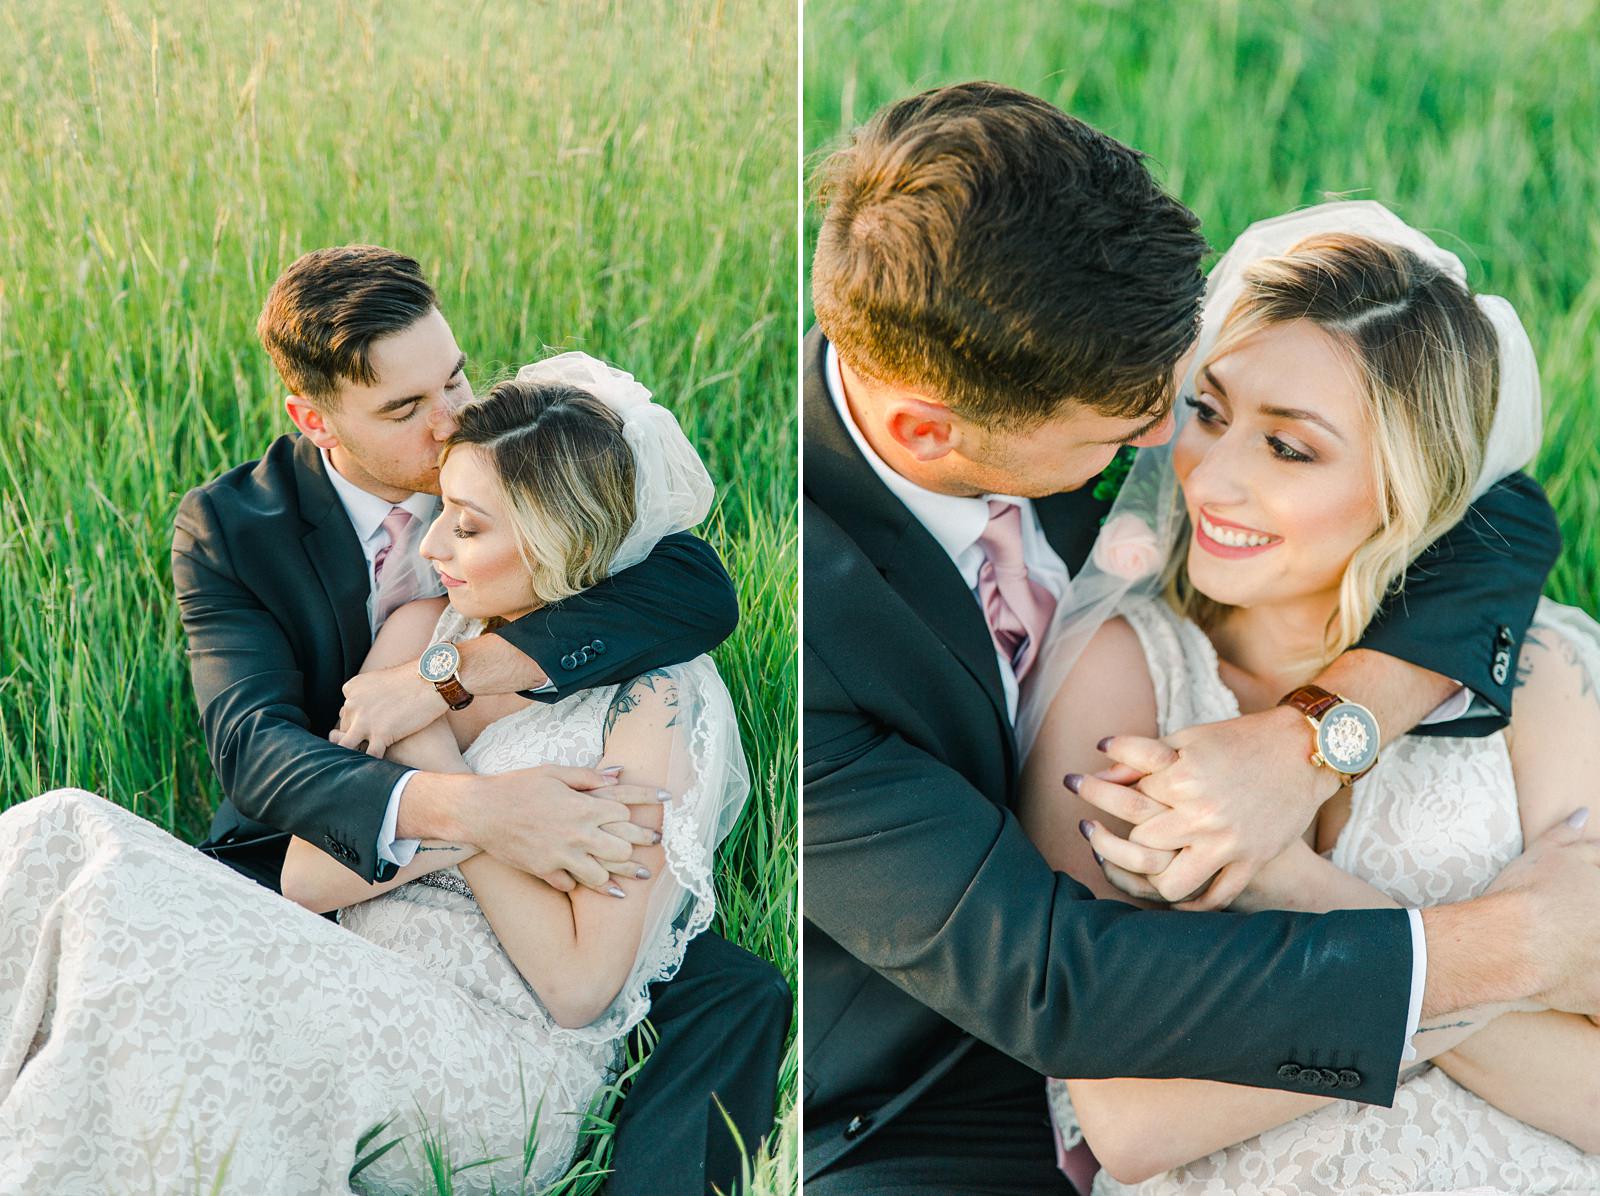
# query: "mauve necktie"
[1016,607]
[403,585]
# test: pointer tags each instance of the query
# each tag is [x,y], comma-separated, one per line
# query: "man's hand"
[384,706]
[1227,797]
[1558,882]
[563,824]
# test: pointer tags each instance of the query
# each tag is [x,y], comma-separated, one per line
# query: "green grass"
[1472,119]
[575,174]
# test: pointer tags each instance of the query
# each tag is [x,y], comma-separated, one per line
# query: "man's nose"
[1159,434]
[443,421]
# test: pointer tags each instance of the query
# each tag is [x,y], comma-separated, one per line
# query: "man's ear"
[926,430]
[311,422]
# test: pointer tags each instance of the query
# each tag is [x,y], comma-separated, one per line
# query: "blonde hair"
[566,476]
[1427,361]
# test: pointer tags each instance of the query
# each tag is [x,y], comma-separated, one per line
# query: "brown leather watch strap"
[453,692]
[1311,700]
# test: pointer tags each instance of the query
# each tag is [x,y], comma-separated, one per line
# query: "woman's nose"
[433,541]
[1221,476]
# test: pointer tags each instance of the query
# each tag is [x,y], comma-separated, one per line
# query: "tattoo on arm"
[632,695]
[440,847]
[1445,1026]
[1524,661]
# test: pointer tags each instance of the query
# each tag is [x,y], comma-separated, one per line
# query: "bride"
[165,1022]
[1339,414]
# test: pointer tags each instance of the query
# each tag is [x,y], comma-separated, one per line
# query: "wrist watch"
[438,665]
[1344,733]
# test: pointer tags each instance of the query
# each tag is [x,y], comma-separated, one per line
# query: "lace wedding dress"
[164,1021]
[1435,821]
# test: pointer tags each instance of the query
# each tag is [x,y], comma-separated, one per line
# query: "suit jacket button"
[858,1126]
[1330,1078]
[1310,1077]
[1503,637]
[1349,1078]
[1288,1071]
[599,646]
[1502,667]
[569,662]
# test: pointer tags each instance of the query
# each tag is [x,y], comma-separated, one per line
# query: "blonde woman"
[1340,409]
[143,989]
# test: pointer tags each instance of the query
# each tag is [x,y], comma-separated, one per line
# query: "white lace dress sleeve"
[1433,822]
[163,1020]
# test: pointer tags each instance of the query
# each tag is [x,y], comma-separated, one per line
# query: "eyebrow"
[1144,430]
[461,502]
[396,404]
[1296,413]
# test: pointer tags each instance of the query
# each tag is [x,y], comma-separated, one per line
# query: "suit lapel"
[335,554]
[839,480]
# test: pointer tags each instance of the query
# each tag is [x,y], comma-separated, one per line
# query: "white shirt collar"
[954,521]
[367,511]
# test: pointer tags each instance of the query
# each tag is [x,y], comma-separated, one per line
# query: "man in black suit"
[1003,295]
[278,566]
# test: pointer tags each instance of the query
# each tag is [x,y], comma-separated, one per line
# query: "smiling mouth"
[1231,540]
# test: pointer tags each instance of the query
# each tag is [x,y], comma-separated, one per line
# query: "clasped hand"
[1209,806]
[384,706]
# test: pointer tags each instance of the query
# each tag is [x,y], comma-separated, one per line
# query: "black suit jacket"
[272,586]
[933,926]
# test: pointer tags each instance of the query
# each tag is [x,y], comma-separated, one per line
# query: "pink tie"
[1017,608]
[402,587]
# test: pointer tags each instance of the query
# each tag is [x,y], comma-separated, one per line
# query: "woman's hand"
[384,706]
[1140,871]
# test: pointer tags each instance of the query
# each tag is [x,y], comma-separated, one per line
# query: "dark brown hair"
[324,312]
[566,475]
[984,246]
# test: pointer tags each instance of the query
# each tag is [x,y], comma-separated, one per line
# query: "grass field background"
[1472,119]
[578,174]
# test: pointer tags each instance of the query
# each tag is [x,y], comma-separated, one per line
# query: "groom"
[1002,297]
[279,571]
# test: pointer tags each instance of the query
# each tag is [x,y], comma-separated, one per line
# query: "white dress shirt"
[367,513]
[956,523]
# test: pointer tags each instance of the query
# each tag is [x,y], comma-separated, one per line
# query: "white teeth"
[1232,537]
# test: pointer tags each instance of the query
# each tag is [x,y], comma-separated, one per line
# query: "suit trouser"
[721,1024]
[981,1130]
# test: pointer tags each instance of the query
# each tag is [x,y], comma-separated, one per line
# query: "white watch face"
[1347,737]
[439,662]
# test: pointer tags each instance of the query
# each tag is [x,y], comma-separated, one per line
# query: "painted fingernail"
[663,795]
[1098,858]
[1101,746]
[616,892]
[655,839]
[1072,780]
[613,772]
[1085,827]
[1578,818]
[641,873]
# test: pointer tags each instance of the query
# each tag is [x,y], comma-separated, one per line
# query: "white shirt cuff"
[1419,978]
[397,851]
[1452,708]
[549,687]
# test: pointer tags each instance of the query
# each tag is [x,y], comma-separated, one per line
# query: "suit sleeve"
[676,604]
[251,695]
[1468,600]
[935,887]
